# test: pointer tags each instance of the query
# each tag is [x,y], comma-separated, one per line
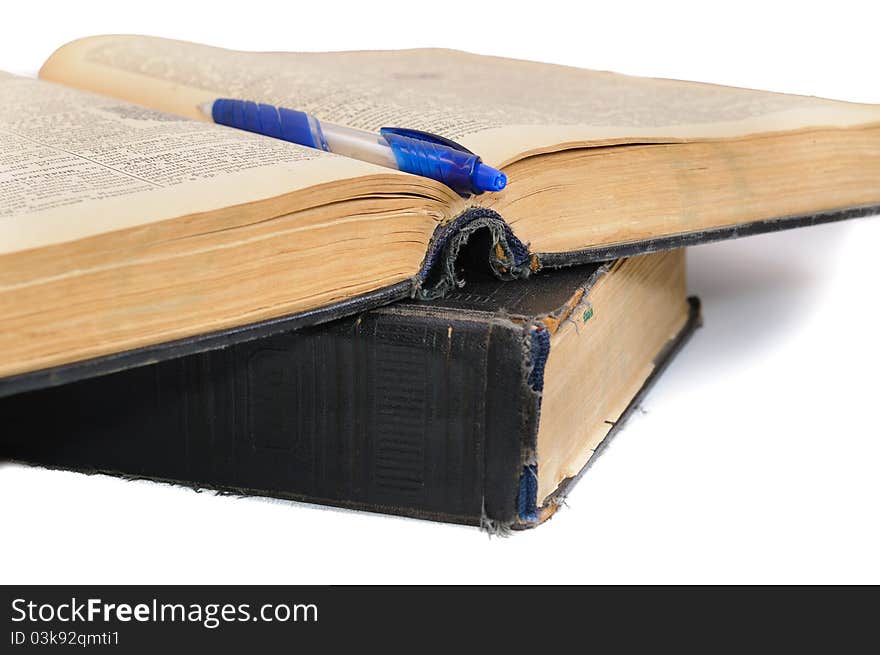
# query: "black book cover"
[420,408]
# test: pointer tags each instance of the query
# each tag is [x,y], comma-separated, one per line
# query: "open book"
[126,222]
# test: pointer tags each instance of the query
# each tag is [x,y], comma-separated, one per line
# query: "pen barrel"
[419,153]
[358,144]
[454,168]
[278,122]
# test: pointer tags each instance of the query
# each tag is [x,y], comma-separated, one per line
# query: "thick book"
[127,222]
[479,408]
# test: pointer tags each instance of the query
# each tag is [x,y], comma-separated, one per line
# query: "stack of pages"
[189,302]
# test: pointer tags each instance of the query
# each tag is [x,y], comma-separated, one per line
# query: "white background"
[755,458]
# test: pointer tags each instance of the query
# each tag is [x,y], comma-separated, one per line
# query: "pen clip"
[424,136]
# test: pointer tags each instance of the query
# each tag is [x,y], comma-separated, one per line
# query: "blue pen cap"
[488,178]
[459,169]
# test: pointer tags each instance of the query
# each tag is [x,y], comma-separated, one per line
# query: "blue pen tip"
[486,178]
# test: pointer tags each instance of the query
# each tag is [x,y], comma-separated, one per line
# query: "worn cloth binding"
[427,409]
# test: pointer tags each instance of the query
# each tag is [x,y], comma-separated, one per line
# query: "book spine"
[413,415]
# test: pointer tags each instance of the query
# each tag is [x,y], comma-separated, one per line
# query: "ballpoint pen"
[413,151]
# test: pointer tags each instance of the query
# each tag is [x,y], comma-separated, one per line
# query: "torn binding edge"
[508,257]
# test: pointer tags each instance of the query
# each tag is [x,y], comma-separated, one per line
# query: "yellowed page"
[74,165]
[503,109]
[597,364]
